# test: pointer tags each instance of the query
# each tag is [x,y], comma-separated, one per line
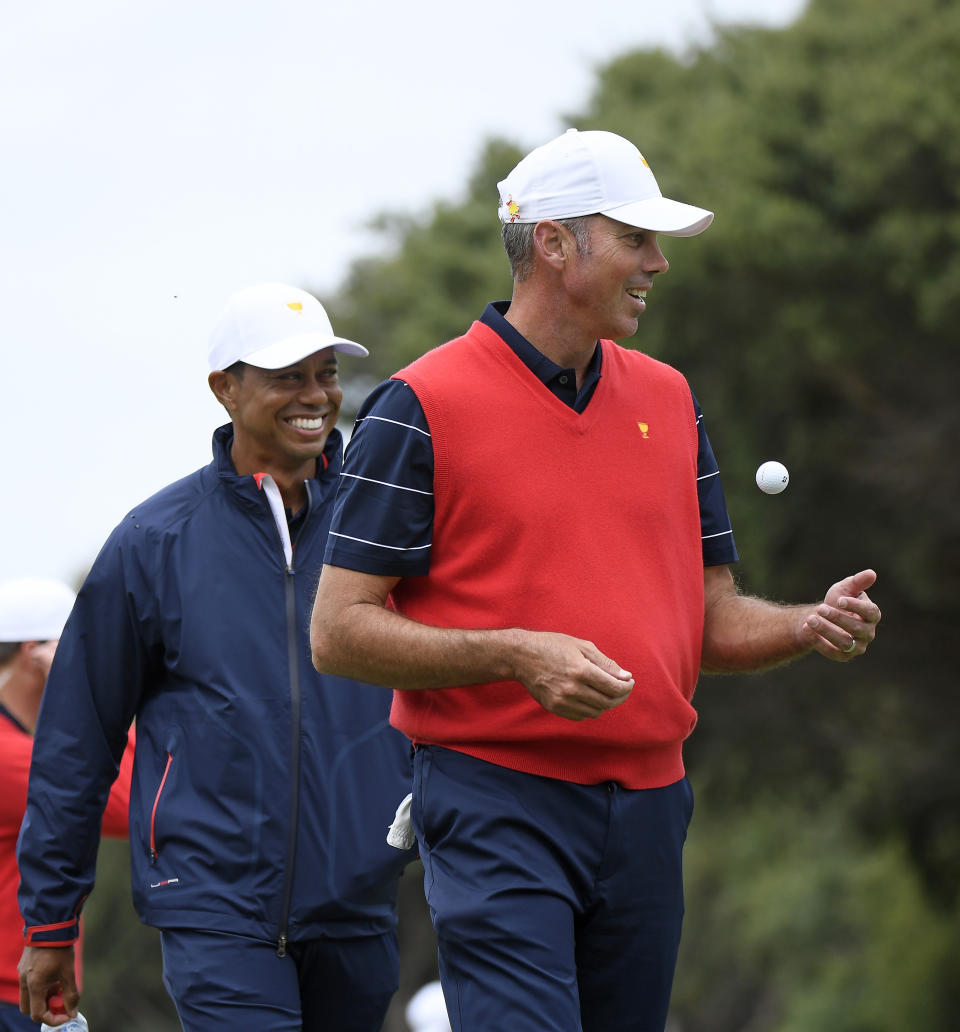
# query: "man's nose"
[313,392]
[657,260]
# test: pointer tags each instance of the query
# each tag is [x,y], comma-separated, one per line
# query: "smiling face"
[607,283]
[281,417]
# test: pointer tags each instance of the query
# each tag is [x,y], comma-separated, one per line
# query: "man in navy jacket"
[262,790]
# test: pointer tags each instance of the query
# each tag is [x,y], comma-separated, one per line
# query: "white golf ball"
[772,477]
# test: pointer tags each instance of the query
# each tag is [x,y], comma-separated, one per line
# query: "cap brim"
[661,215]
[290,350]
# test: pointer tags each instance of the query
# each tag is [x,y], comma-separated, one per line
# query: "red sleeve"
[116,815]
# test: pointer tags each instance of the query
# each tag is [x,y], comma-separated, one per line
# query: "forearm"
[744,634]
[371,644]
[358,637]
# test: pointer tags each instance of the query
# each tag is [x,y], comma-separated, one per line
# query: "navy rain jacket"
[262,790]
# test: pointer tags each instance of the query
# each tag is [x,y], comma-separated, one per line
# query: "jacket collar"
[244,487]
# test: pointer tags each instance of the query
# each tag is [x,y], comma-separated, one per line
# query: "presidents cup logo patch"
[509,210]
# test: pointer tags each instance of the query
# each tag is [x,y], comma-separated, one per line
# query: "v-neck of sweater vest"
[538,390]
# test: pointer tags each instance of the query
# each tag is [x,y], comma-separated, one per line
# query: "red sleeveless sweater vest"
[546,519]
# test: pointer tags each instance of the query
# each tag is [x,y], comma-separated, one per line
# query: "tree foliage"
[816,322]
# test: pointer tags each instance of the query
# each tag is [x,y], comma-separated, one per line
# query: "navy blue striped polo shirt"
[383,516]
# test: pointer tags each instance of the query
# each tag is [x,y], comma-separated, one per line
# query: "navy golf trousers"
[557,906]
[222,982]
[11,1020]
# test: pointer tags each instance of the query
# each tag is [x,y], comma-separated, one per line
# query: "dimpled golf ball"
[772,477]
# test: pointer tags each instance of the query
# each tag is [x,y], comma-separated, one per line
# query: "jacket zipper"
[153,813]
[293,663]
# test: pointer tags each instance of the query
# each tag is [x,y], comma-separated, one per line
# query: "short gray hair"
[518,243]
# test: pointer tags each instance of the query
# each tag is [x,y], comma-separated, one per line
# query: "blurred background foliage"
[816,322]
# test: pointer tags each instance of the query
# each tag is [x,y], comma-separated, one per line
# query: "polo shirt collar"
[561,382]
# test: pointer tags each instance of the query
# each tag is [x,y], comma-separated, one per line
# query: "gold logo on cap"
[513,209]
[295,305]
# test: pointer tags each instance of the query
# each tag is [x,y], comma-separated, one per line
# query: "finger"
[595,704]
[605,663]
[606,676]
[862,606]
[847,623]
[597,701]
[577,710]
[38,1009]
[585,704]
[861,631]
[830,651]
[830,633]
[609,691]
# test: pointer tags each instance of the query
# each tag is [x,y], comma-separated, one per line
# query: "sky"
[156,156]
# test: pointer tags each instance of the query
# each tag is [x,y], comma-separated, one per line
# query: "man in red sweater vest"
[543,603]
[33,611]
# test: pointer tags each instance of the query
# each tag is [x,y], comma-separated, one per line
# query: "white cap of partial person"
[427,1011]
[34,609]
[594,173]
[272,326]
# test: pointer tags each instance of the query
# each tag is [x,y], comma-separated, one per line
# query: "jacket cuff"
[63,934]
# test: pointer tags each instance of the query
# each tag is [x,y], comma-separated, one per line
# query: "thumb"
[607,665]
[858,582]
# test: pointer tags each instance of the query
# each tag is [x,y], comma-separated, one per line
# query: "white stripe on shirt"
[378,544]
[383,483]
[396,422]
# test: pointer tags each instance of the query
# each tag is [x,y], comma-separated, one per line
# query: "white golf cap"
[34,609]
[594,173]
[272,325]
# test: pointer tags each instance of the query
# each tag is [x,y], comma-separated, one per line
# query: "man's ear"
[224,387]
[553,243]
